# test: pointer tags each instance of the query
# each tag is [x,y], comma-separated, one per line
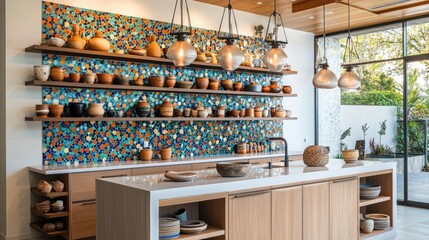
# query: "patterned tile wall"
[69,142]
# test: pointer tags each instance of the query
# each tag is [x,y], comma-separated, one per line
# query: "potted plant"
[379,149]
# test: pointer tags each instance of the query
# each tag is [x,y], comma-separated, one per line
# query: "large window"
[389,113]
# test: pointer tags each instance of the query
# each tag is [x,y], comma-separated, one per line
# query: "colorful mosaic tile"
[68,142]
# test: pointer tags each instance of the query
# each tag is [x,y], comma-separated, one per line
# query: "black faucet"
[286,151]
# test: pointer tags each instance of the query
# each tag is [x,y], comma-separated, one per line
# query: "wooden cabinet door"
[316,211]
[286,204]
[250,216]
[83,220]
[344,209]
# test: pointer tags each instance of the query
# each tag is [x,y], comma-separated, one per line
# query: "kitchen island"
[298,202]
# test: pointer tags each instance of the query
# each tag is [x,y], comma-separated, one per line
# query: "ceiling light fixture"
[181,52]
[325,78]
[349,80]
[275,58]
[230,56]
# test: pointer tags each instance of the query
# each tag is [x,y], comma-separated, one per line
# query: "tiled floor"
[413,223]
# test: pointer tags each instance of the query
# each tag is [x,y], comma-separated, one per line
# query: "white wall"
[2,121]
[23,141]
[356,116]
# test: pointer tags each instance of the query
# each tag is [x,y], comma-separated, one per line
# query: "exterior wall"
[356,116]
[2,121]
[24,139]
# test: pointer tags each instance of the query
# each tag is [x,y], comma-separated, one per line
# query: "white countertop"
[209,181]
[92,167]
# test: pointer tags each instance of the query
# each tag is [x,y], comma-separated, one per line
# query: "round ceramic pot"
[242,113]
[75,77]
[241,148]
[178,112]
[89,78]
[235,113]
[76,109]
[203,113]
[166,109]
[280,113]
[238,86]
[58,186]
[143,111]
[202,82]
[221,112]
[350,155]
[266,89]
[41,72]
[227,84]
[187,112]
[194,113]
[157,81]
[105,78]
[170,81]
[56,110]
[123,79]
[96,110]
[44,186]
[316,156]
[146,154]
[58,74]
[42,110]
[287,89]
[367,226]
[166,153]
[250,112]
[98,43]
[214,84]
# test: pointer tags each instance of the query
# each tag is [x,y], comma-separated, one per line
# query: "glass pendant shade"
[182,53]
[230,57]
[275,59]
[349,80]
[325,79]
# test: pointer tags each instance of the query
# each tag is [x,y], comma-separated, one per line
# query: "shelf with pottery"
[50,195]
[49,215]
[374,233]
[137,58]
[39,227]
[210,232]
[64,84]
[153,119]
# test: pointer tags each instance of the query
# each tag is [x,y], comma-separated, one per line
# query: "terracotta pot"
[238,86]
[98,43]
[96,109]
[166,109]
[235,113]
[287,89]
[123,79]
[241,148]
[154,50]
[89,78]
[156,81]
[75,77]
[258,112]
[75,40]
[137,51]
[42,110]
[203,113]
[57,185]
[105,78]
[44,186]
[178,112]
[170,81]
[187,112]
[214,85]
[58,74]
[202,82]
[194,113]
[242,113]
[274,84]
[227,84]
[250,112]
[266,89]
[166,153]
[56,110]
[146,154]
[281,113]
[41,72]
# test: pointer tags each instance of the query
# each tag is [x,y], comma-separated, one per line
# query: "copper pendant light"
[230,56]
[181,52]
[325,78]
[275,59]
[349,80]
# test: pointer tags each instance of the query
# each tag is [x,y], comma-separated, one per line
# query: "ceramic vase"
[98,43]
[41,72]
[166,153]
[154,50]
[75,40]
[96,109]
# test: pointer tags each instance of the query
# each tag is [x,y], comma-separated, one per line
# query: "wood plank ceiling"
[306,15]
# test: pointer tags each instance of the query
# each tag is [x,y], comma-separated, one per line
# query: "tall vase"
[360,145]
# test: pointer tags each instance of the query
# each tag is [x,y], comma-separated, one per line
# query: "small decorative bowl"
[381,221]
[350,155]
[185,84]
[233,169]
[369,191]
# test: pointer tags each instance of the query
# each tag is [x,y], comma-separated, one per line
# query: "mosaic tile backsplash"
[84,142]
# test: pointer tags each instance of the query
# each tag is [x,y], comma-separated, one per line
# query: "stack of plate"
[369,191]
[381,221]
[169,228]
[192,226]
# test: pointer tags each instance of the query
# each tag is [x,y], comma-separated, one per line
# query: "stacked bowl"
[369,191]
[381,221]
[169,228]
[193,226]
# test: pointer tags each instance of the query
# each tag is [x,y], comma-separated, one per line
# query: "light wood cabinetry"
[315,209]
[250,216]
[286,205]
[83,220]
[343,209]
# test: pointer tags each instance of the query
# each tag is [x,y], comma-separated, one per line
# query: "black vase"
[76,109]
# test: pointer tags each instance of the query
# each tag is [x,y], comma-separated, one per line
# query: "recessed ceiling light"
[311,17]
[259,3]
[329,13]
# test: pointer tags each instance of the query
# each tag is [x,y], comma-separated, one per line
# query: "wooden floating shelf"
[49,215]
[49,195]
[137,58]
[152,89]
[210,232]
[39,227]
[374,233]
[379,199]
[148,119]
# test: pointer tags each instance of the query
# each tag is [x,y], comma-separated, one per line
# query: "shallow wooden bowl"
[233,169]
[185,84]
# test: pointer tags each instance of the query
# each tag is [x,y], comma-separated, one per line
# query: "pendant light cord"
[182,28]
[231,16]
[324,33]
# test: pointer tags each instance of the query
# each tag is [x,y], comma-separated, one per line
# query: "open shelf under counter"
[379,199]
[152,119]
[50,195]
[374,233]
[49,215]
[136,58]
[152,89]
[39,227]
[210,232]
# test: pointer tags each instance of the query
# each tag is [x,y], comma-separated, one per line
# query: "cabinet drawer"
[260,160]
[159,170]
[82,185]
[202,166]
[83,219]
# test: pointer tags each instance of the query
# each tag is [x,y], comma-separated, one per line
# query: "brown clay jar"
[287,89]
[146,154]
[98,43]
[56,110]
[96,110]
[227,84]
[238,86]
[75,40]
[166,153]
[250,112]
[170,81]
[156,81]
[58,74]
[202,82]
[166,109]
[154,50]
[75,77]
